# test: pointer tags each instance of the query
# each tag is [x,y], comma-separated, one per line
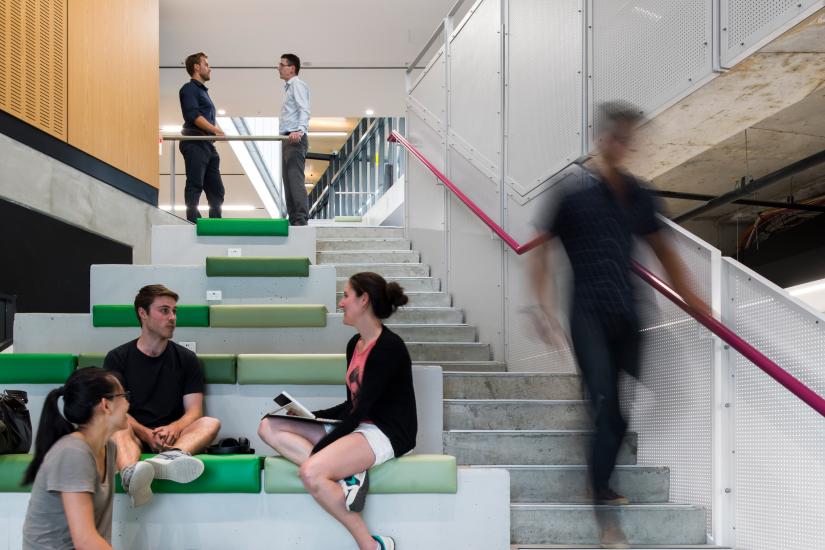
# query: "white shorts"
[378,442]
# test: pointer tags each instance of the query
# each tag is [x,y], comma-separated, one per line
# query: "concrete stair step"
[631,547]
[528,446]
[357,232]
[660,524]
[571,484]
[433,333]
[385,270]
[515,414]
[450,367]
[428,315]
[409,284]
[368,257]
[435,353]
[361,244]
[512,385]
[418,299]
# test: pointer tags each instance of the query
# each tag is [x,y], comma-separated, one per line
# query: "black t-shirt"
[597,230]
[157,384]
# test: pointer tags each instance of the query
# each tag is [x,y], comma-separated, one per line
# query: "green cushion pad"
[356,219]
[12,468]
[222,474]
[259,315]
[90,360]
[289,368]
[36,368]
[218,368]
[125,316]
[234,227]
[256,266]
[408,474]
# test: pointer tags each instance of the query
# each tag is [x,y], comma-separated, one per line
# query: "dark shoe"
[610,497]
[355,491]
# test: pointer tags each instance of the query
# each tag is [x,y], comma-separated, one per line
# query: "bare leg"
[292,439]
[128,447]
[320,473]
[198,435]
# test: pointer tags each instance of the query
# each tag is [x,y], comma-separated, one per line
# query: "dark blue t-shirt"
[597,229]
[195,102]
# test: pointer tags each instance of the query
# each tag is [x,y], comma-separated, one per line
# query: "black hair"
[81,393]
[385,297]
[613,114]
[293,61]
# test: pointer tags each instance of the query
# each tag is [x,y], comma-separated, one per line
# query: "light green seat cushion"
[408,474]
[292,368]
[123,315]
[256,266]
[90,359]
[221,474]
[262,316]
[355,219]
[234,227]
[36,368]
[12,468]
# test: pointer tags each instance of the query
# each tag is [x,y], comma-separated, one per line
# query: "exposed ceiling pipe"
[746,202]
[754,186]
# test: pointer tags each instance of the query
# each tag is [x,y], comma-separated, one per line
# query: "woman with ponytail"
[377,422]
[73,469]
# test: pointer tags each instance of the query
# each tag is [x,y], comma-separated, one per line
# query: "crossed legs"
[321,472]
[193,439]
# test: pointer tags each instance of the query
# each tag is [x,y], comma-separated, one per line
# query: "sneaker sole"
[357,502]
[183,469]
[140,486]
[389,544]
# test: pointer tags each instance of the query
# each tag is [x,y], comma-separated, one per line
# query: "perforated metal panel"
[671,406]
[648,52]
[544,89]
[780,441]
[745,23]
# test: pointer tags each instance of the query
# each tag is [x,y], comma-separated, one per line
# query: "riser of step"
[430,333]
[358,232]
[349,245]
[512,385]
[428,315]
[418,299]
[449,367]
[463,414]
[571,484]
[528,447]
[660,524]
[368,257]
[409,284]
[385,270]
[435,352]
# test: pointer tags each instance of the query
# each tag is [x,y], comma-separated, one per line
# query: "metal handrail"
[770,368]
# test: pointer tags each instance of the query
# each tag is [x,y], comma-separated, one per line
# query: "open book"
[289,407]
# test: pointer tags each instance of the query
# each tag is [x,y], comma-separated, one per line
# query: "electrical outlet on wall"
[234,252]
[191,346]
[214,295]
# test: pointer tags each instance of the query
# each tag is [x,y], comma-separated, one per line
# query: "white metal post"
[172,176]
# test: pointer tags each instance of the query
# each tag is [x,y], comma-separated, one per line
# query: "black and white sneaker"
[176,465]
[355,491]
[384,542]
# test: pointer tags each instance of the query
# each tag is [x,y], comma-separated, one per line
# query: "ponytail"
[82,392]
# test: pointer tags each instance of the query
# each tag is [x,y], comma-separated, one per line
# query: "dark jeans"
[604,344]
[203,174]
[293,161]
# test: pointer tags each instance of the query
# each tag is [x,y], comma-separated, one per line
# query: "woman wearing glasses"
[73,468]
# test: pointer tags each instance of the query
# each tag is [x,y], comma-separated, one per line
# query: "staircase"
[534,425]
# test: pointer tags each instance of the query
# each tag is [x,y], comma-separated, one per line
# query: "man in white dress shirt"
[294,123]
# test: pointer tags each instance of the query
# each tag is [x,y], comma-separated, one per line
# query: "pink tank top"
[355,370]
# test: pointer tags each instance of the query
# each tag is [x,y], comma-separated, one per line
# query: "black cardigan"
[386,396]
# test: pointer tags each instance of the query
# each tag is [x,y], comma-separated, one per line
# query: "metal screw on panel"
[727,490]
[727,405]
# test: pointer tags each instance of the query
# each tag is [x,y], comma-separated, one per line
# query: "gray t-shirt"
[69,467]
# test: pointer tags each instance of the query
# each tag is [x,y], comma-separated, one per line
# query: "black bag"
[231,446]
[15,423]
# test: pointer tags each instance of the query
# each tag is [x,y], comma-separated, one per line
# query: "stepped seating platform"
[257,266]
[242,227]
[222,315]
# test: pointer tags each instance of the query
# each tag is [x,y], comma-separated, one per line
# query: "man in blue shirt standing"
[203,172]
[294,122]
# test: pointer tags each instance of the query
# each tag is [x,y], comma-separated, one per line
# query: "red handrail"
[770,368]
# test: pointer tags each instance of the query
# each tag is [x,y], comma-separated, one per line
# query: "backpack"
[15,423]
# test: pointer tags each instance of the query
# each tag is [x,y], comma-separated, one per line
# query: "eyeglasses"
[126,395]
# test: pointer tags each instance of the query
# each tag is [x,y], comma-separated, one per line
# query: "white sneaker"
[176,465]
[137,482]
[384,542]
